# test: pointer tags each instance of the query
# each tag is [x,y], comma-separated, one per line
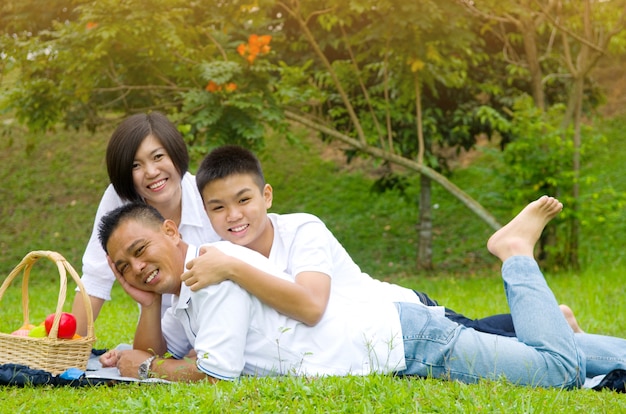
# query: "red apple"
[67,325]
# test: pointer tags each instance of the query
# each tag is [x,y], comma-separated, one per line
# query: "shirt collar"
[192,213]
[181,301]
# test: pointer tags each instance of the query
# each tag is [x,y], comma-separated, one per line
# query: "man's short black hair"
[137,211]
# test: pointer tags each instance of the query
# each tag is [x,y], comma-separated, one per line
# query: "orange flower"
[242,49]
[91,25]
[254,48]
[212,87]
[256,45]
[264,40]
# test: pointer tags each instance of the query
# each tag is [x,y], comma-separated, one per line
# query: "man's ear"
[170,229]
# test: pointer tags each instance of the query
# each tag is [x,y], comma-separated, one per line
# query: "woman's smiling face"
[155,176]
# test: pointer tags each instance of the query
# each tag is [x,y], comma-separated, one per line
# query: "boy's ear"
[268,195]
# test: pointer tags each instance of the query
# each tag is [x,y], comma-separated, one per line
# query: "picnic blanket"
[21,375]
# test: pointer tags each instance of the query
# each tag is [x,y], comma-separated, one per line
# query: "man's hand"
[169,369]
[110,358]
[140,296]
[129,361]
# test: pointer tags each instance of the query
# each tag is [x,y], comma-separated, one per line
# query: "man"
[233,333]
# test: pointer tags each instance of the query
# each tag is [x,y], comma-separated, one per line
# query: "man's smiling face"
[147,256]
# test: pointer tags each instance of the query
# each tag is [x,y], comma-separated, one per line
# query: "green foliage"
[359,66]
[108,60]
[294,87]
[382,49]
[539,161]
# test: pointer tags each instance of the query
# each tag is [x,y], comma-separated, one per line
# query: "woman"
[147,160]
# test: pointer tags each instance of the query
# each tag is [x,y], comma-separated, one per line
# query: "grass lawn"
[50,188]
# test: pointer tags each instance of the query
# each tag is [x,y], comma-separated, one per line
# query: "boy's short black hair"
[229,160]
[137,211]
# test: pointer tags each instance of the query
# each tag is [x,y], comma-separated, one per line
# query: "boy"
[233,333]
[236,199]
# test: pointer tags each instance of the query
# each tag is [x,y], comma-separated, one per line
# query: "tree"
[396,81]
[562,40]
[36,16]
[376,59]
[107,62]
[190,62]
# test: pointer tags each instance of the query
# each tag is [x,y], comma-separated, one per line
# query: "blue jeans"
[603,353]
[543,354]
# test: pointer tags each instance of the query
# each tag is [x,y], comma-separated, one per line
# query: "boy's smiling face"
[237,209]
[147,256]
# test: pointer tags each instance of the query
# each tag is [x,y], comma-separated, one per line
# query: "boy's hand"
[210,268]
[140,296]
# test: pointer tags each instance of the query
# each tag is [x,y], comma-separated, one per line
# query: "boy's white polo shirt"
[302,242]
[233,333]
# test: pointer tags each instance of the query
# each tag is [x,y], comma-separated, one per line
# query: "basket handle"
[63,266]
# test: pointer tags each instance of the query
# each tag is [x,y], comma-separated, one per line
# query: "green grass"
[50,188]
[373,394]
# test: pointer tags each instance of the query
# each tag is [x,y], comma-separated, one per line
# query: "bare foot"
[518,237]
[570,318]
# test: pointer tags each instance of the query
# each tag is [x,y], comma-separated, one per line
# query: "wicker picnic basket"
[47,353]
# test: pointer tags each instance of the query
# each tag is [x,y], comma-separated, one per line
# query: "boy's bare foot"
[518,237]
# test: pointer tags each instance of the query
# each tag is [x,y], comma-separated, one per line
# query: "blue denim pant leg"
[545,354]
[603,353]
[538,320]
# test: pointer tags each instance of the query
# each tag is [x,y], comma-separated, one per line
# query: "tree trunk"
[425,226]
[528,31]
[572,257]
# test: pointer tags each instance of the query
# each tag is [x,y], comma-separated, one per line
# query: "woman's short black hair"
[127,138]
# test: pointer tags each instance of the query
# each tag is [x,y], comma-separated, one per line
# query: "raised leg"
[545,353]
